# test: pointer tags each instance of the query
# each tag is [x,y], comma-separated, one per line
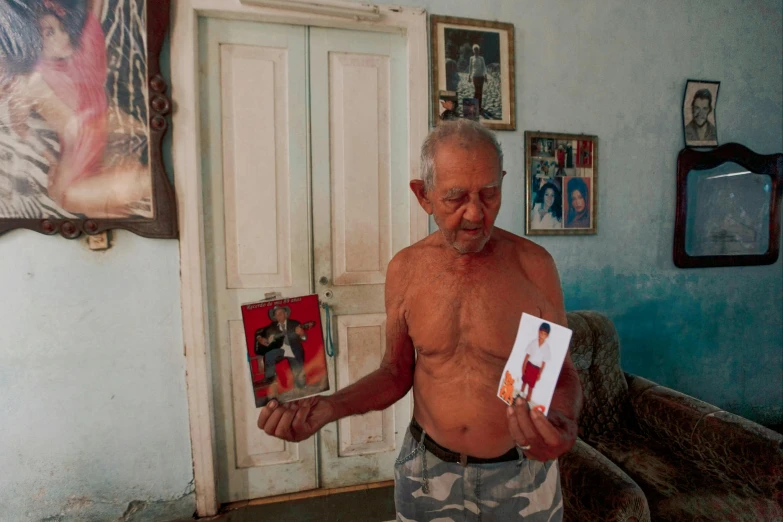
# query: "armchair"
[692,460]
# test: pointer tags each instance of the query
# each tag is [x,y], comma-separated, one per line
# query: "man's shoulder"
[526,249]
[413,254]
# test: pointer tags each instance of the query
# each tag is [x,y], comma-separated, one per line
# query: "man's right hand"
[295,421]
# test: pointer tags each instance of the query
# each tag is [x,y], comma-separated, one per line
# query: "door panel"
[360,188]
[256,228]
[363,341]
[256,256]
[358,91]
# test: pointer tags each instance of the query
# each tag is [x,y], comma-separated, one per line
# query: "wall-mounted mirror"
[727,207]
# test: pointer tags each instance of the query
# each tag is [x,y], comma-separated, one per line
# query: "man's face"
[542,337]
[448,105]
[701,109]
[466,196]
[280,315]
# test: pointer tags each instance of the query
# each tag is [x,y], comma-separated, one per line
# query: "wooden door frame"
[412,22]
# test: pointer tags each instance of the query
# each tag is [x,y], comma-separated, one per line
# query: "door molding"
[188,184]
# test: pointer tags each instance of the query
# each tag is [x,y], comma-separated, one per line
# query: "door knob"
[324,280]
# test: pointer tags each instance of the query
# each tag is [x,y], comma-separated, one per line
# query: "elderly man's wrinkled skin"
[456,298]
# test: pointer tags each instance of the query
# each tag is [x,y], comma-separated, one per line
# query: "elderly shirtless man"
[456,299]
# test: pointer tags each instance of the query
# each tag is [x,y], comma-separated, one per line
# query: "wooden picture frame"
[461,47]
[84,122]
[561,184]
[728,211]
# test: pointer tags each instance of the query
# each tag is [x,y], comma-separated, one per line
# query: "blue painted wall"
[618,70]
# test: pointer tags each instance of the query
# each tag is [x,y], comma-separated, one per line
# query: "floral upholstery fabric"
[692,460]
[595,490]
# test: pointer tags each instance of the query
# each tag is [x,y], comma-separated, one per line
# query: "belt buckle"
[463,460]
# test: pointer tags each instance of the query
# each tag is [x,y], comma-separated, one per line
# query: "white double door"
[306,167]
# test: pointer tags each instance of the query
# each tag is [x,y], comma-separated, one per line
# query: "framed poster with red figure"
[285,349]
[83,112]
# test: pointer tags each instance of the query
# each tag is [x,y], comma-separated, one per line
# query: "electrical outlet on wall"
[99,241]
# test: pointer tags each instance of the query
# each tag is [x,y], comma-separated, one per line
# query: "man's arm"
[390,382]
[298,420]
[547,438]
[567,399]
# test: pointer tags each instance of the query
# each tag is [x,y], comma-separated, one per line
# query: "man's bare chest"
[479,311]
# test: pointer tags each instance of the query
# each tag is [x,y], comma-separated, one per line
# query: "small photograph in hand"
[533,368]
[285,349]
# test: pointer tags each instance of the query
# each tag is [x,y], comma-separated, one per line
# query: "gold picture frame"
[561,184]
[473,62]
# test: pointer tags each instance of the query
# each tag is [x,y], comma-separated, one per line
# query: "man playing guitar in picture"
[282,339]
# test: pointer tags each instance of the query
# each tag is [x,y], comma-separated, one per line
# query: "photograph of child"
[533,368]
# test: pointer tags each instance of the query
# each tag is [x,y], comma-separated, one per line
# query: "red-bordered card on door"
[285,349]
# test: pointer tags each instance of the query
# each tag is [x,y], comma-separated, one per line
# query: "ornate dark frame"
[164,223]
[690,159]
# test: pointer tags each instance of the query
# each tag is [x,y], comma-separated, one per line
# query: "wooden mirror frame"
[163,224]
[690,159]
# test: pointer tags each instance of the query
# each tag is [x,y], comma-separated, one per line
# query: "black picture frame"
[728,229]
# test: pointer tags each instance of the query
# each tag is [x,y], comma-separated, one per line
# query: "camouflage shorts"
[426,489]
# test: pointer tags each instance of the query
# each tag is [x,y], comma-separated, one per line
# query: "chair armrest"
[727,446]
[595,489]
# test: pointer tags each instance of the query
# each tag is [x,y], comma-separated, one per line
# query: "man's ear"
[417,186]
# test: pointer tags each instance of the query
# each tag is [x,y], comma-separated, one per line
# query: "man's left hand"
[548,438]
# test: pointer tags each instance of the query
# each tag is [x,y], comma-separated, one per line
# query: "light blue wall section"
[93,411]
[618,70]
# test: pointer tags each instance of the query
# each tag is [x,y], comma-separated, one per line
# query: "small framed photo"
[561,181]
[698,113]
[473,71]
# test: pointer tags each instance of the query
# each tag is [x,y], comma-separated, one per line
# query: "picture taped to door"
[285,349]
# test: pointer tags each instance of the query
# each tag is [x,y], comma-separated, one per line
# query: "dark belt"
[446,455]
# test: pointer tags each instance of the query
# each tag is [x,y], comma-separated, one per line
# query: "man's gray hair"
[464,133]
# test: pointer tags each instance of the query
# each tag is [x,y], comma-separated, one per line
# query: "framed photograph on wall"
[561,183]
[472,65]
[82,114]
[698,113]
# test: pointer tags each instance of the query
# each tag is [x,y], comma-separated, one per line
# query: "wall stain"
[715,335]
